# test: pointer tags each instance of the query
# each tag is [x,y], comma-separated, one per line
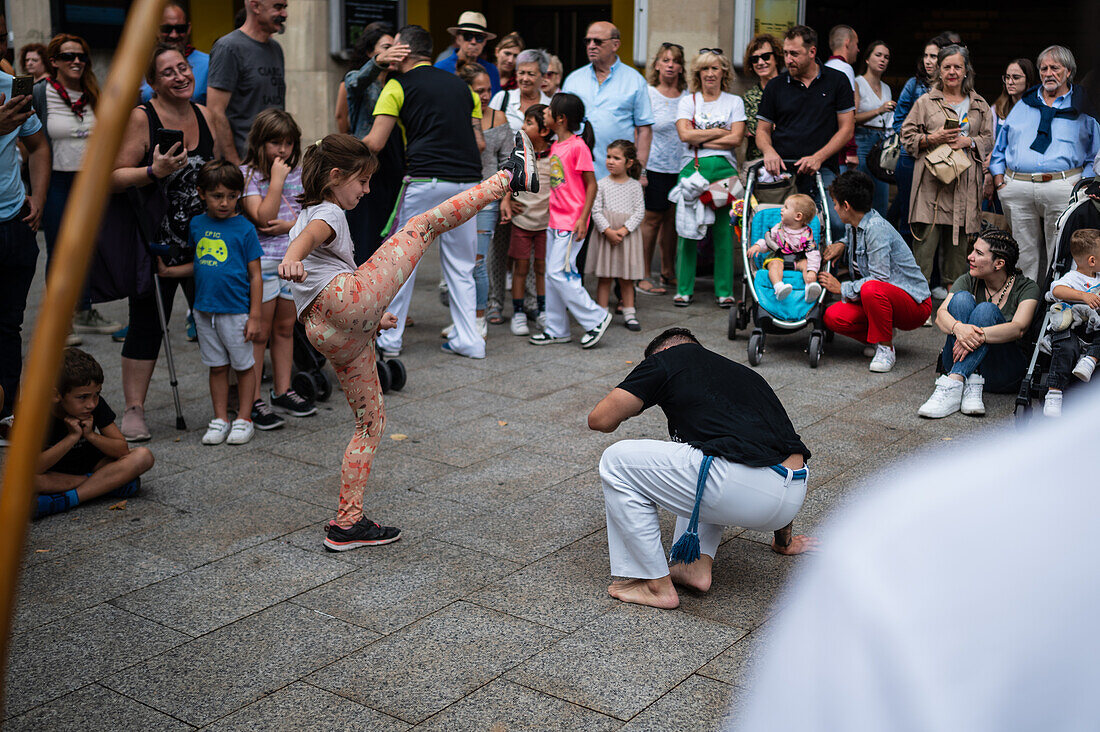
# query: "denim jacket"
[876,251]
[363,89]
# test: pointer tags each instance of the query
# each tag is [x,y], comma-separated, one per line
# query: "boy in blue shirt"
[228,293]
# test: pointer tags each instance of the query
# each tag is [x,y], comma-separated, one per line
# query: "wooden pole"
[75,242]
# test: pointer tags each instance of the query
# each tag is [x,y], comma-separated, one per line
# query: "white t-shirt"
[722,112]
[667,150]
[843,67]
[513,113]
[68,134]
[1077,281]
[869,101]
[327,260]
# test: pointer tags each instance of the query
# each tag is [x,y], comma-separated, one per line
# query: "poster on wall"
[352,16]
[776,16]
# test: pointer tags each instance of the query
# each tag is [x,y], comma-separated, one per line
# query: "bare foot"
[798,545]
[655,593]
[696,575]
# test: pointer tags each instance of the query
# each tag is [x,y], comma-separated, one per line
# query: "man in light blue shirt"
[175,30]
[1044,147]
[19,218]
[616,100]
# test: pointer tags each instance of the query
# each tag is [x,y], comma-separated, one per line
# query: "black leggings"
[144,336]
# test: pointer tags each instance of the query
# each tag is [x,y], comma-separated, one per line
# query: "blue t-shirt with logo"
[223,249]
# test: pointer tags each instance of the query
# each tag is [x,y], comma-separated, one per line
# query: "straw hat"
[472,22]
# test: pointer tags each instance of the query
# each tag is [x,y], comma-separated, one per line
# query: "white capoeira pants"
[565,293]
[640,476]
[457,253]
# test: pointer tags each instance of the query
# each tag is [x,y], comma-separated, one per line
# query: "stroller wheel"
[304,385]
[398,375]
[734,318]
[324,386]
[756,348]
[384,380]
[816,346]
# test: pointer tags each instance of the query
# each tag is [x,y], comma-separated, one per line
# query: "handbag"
[882,160]
[946,163]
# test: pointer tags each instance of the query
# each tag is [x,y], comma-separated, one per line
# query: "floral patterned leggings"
[343,320]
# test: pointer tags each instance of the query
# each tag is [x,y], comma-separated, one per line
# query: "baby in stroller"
[792,242]
[1069,354]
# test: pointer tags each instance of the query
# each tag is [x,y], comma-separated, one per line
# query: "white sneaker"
[884,359]
[241,432]
[945,400]
[482,325]
[782,290]
[216,432]
[1084,368]
[813,291]
[972,403]
[939,293]
[1052,405]
[519,324]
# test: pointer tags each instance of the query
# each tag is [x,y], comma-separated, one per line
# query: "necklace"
[1000,294]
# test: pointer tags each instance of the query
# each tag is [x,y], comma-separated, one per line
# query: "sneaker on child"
[240,433]
[216,432]
[1084,368]
[782,290]
[592,337]
[1052,405]
[884,359]
[813,291]
[519,324]
[363,532]
[544,338]
[945,400]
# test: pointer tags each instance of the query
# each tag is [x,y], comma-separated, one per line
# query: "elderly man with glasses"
[616,97]
[1045,145]
[175,30]
[470,36]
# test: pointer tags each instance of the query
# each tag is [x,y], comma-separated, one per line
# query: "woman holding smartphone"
[944,216]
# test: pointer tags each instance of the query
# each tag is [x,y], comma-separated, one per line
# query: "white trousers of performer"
[458,254]
[565,293]
[1032,210]
[640,476]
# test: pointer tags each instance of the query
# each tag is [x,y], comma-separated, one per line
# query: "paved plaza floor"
[208,601]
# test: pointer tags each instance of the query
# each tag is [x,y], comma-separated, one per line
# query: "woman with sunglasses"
[764,60]
[65,102]
[874,114]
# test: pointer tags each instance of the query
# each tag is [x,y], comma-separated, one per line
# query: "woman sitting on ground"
[987,313]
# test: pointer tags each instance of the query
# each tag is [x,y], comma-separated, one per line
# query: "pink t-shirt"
[567,190]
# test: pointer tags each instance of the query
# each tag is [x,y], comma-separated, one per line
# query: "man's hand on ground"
[799,544]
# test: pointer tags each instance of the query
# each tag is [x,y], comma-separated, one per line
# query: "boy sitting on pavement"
[86,455]
[1068,354]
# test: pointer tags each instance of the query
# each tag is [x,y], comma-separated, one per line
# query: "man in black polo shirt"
[440,120]
[807,114]
[726,423]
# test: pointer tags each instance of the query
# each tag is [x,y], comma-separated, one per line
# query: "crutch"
[180,423]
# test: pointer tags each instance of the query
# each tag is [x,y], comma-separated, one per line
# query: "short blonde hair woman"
[706,59]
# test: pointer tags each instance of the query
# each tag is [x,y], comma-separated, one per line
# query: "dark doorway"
[559,29]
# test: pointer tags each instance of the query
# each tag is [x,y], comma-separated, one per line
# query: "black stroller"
[310,381]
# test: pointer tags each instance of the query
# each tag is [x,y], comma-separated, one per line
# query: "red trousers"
[882,307]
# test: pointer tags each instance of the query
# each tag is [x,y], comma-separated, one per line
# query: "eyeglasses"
[473,37]
[758,57]
[596,41]
[715,51]
[69,56]
[179,29]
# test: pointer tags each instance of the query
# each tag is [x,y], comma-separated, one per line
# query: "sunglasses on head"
[715,51]
[672,45]
[69,56]
[471,37]
[179,28]
[758,57]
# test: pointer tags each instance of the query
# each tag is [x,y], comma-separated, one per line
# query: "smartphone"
[951,124]
[21,86]
[165,139]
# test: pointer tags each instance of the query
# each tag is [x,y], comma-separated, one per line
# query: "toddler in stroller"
[1074,351]
[792,241]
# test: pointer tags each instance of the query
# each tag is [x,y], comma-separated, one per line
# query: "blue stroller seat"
[794,308]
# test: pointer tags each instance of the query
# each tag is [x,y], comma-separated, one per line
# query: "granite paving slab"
[492,483]
[502,705]
[223,671]
[609,664]
[698,703]
[434,662]
[300,707]
[736,665]
[93,707]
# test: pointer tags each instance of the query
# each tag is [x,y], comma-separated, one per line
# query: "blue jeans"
[57,195]
[865,140]
[486,225]
[1001,364]
[899,211]
[18,259]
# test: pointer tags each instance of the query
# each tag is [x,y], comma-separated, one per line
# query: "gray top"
[253,73]
[876,251]
[326,261]
[499,142]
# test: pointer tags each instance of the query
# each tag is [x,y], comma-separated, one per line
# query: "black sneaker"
[293,404]
[362,533]
[521,163]
[263,418]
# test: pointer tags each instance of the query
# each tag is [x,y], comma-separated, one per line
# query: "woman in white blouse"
[531,66]
[874,115]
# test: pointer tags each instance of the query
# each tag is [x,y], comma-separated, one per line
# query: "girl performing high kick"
[343,307]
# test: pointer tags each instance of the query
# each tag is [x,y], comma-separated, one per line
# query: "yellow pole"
[75,242]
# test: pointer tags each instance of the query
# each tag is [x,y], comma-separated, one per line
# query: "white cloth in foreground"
[963,596]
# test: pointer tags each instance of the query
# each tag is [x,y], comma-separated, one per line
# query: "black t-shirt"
[84,456]
[804,118]
[716,405]
[435,109]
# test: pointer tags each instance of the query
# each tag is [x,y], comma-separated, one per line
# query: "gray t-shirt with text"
[253,73]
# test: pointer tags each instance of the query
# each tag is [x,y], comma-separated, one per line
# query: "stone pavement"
[208,600]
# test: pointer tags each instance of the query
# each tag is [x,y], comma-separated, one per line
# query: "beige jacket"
[957,205]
